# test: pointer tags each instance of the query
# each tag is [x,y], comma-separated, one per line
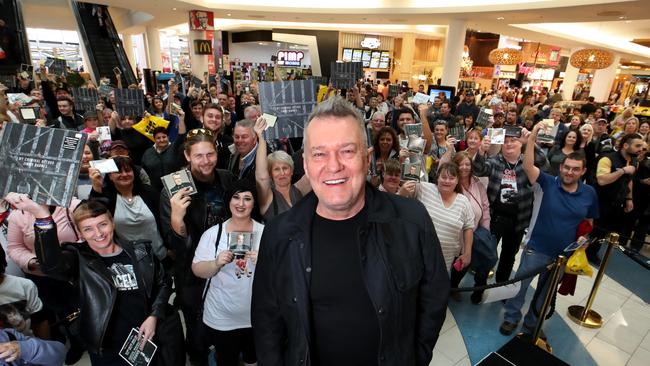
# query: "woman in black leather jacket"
[121,284]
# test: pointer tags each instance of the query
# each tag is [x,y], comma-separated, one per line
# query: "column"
[199,62]
[570,79]
[453,56]
[127,43]
[153,48]
[601,86]
[407,53]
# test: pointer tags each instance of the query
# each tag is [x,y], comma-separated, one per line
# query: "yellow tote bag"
[148,124]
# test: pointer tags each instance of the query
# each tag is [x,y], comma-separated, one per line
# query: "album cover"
[497,135]
[291,101]
[416,144]
[345,74]
[240,242]
[457,132]
[41,161]
[131,353]
[483,118]
[129,102]
[85,99]
[413,129]
[176,181]
[411,171]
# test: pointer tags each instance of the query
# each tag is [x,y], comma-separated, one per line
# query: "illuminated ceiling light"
[505,56]
[500,18]
[174,9]
[229,14]
[591,58]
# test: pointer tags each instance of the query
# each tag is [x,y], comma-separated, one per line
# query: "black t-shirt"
[345,325]
[214,198]
[129,310]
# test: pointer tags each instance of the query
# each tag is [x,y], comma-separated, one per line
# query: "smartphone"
[513,131]
[458,265]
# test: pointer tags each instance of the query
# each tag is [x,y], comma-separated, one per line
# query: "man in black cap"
[468,107]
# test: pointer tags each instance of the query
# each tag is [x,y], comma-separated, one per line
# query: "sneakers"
[507,328]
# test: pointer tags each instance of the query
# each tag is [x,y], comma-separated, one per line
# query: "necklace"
[510,166]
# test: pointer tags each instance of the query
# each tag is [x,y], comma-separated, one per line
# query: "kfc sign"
[290,58]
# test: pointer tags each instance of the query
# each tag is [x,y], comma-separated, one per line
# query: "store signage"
[289,58]
[202,47]
[371,42]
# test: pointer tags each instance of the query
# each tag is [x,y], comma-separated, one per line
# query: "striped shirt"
[450,222]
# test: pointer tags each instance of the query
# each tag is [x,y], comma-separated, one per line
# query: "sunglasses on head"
[199,131]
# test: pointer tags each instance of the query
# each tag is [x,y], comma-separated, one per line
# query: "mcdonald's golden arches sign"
[202,47]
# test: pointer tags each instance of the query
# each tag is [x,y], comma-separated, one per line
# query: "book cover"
[176,181]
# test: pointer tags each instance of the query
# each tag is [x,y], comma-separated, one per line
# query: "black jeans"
[189,301]
[503,228]
[230,344]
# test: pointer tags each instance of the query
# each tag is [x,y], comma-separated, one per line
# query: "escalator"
[14,48]
[103,45]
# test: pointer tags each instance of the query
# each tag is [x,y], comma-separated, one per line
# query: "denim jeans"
[531,260]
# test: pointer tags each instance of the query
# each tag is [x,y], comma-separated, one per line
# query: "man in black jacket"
[349,275]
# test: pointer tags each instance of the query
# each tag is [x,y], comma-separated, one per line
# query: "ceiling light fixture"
[174,9]
[591,58]
[228,14]
[505,56]
[500,18]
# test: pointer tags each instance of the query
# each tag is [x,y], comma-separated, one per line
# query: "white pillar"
[570,79]
[154,53]
[602,83]
[453,52]
[127,43]
[199,62]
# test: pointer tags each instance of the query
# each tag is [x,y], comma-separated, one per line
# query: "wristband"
[44,223]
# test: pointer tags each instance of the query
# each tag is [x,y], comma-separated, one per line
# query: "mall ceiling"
[612,24]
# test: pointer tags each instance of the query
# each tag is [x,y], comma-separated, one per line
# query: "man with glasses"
[564,204]
[377,121]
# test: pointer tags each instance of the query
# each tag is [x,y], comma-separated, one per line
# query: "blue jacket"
[34,351]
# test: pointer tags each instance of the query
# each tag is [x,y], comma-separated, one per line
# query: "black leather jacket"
[79,264]
[403,267]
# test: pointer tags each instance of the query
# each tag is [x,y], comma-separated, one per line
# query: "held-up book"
[40,161]
[176,181]
[131,352]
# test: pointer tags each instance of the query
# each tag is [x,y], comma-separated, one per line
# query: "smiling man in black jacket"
[349,275]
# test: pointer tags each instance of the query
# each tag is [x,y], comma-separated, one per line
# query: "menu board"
[356,55]
[384,60]
[365,58]
[347,55]
[374,59]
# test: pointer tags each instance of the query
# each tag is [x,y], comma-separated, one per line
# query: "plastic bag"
[578,263]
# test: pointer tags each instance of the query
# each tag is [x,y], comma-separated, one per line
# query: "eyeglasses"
[199,131]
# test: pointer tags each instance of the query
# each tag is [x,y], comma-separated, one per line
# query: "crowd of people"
[314,251]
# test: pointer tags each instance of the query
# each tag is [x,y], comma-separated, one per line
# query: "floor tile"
[451,344]
[607,355]
[609,283]
[645,343]
[449,322]
[639,358]
[440,359]
[623,331]
[464,362]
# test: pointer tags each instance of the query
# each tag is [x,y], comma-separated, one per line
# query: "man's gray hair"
[246,123]
[339,108]
[254,107]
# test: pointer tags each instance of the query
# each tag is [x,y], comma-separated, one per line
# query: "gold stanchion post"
[583,315]
[548,299]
